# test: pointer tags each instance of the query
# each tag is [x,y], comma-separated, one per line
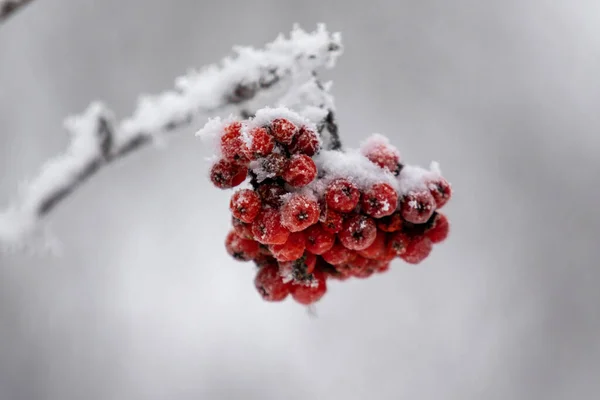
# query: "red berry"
[270,285]
[380,200]
[232,145]
[391,223]
[311,290]
[396,244]
[301,170]
[381,153]
[332,221]
[291,250]
[417,207]
[441,191]
[318,240]
[377,249]
[298,270]
[306,142]
[439,229]
[342,195]
[264,259]
[239,248]
[274,165]
[225,174]
[260,144]
[299,212]
[338,254]
[358,232]
[417,250]
[267,228]
[242,229]
[245,205]
[283,130]
[271,193]
[380,266]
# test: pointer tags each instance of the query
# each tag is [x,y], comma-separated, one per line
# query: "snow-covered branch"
[9,7]
[284,71]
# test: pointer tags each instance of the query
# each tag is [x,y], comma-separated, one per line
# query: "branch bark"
[10,7]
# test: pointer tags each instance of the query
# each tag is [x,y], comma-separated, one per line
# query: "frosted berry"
[377,249]
[417,250]
[342,195]
[274,165]
[397,243]
[242,229]
[338,254]
[441,191]
[358,232]
[270,285]
[291,250]
[239,248]
[391,223]
[232,145]
[271,193]
[332,221]
[438,231]
[305,142]
[264,259]
[301,170]
[417,206]
[260,144]
[383,154]
[245,205]
[283,130]
[318,240]
[299,212]
[311,290]
[267,228]
[380,200]
[225,174]
[298,270]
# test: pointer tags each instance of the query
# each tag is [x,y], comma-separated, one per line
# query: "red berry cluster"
[301,228]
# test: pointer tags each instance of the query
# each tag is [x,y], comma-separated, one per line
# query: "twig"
[10,7]
[241,84]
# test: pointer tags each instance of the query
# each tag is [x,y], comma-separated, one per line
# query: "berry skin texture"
[417,207]
[377,249]
[301,170]
[385,156]
[242,229]
[239,248]
[441,191]
[291,250]
[274,165]
[225,174]
[270,285]
[397,243]
[318,240]
[261,144]
[342,195]
[306,142]
[338,254]
[271,193]
[358,232]
[438,232]
[245,205]
[380,200]
[391,223]
[311,290]
[299,213]
[332,221]
[417,250]
[283,130]
[267,228]
[232,145]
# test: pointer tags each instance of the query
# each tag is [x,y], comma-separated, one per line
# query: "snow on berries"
[310,213]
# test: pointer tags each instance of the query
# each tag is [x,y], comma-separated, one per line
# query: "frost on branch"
[316,211]
[241,84]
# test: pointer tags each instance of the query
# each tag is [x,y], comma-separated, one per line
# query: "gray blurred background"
[145,304]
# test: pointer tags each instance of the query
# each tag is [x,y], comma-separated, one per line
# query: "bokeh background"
[144,303]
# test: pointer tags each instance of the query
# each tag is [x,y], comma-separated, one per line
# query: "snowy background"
[145,304]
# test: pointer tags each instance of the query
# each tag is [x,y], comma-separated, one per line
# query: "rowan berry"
[417,250]
[332,221]
[377,249]
[318,240]
[260,144]
[391,223]
[271,193]
[301,170]
[380,200]
[342,195]
[245,205]
[438,231]
[267,227]
[274,165]
[338,254]
[417,206]
[299,212]
[225,174]
[270,285]
[232,145]
[239,248]
[291,250]
[441,191]
[358,232]
[382,154]
[311,290]
[397,243]
[305,142]
[283,130]
[242,229]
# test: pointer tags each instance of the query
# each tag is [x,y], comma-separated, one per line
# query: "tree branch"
[241,84]
[10,7]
